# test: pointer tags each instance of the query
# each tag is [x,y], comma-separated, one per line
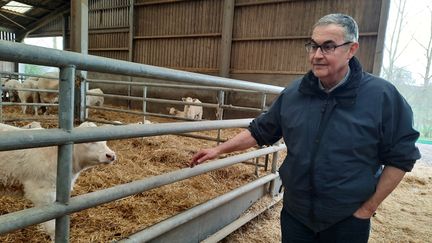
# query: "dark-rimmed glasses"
[326,47]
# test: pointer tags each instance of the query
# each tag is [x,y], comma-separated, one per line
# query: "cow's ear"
[183,98]
[194,99]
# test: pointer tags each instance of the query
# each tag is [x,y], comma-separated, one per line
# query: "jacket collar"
[345,95]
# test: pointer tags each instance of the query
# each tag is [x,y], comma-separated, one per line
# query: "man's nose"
[318,53]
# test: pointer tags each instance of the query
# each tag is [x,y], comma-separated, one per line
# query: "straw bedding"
[138,158]
[406,216]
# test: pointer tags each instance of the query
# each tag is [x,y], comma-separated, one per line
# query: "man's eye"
[315,47]
[328,47]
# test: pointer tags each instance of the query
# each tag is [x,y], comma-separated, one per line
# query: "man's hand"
[203,155]
[241,141]
[390,178]
[364,212]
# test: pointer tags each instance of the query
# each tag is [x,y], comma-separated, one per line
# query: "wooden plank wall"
[267,39]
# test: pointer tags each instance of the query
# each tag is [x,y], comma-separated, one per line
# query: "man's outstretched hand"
[203,155]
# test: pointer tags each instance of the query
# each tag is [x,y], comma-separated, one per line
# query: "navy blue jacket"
[337,143]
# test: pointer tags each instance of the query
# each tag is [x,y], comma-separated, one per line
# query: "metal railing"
[65,136]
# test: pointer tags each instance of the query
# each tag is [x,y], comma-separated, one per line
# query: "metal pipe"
[216,88]
[144,105]
[163,101]
[18,52]
[64,161]
[28,104]
[175,221]
[27,217]
[27,75]
[11,140]
[274,165]
[219,111]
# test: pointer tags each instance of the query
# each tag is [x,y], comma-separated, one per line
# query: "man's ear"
[353,49]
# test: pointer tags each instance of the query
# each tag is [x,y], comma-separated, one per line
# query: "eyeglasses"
[326,47]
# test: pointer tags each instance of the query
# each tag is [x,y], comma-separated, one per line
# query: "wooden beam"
[158,2]
[17,14]
[226,41]
[131,29]
[379,48]
[110,49]
[264,2]
[10,20]
[178,36]
[270,38]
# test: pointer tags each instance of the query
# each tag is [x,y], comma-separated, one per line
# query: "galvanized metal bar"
[154,100]
[34,90]
[144,105]
[27,75]
[263,101]
[28,104]
[18,52]
[11,140]
[274,166]
[64,162]
[27,217]
[216,88]
[1,100]
[173,222]
[39,118]
[220,110]
[83,100]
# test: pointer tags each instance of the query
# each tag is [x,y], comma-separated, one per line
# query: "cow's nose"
[111,156]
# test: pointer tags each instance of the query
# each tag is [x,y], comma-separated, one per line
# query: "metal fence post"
[83,101]
[144,106]
[219,111]
[1,99]
[65,151]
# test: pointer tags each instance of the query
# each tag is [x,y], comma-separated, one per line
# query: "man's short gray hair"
[346,22]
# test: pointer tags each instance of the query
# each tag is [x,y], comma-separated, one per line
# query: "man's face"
[331,67]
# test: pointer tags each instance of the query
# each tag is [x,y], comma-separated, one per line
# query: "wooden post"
[227,27]
[379,48]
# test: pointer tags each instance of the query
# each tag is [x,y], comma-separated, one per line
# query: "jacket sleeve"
[397,144]
[266,128]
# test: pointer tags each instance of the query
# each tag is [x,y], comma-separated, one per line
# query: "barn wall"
[267,43]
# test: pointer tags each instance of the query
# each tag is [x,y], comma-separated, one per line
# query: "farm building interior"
[145,56]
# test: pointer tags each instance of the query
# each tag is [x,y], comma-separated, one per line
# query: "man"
[349,137]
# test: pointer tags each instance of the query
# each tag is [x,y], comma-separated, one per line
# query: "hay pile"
[138,158]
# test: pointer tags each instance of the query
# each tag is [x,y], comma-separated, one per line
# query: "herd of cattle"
[45,90]
[40,90]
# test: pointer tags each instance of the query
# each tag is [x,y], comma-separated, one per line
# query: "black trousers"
[351,230]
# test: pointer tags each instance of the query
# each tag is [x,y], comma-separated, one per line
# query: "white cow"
[48,84]
[36,168]
[33,125]
[193,111]
[177,113]
[27,96]
[10,85]
[92,100]
[3,80]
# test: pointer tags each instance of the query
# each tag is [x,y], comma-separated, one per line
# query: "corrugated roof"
[17,7]
[22,16]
